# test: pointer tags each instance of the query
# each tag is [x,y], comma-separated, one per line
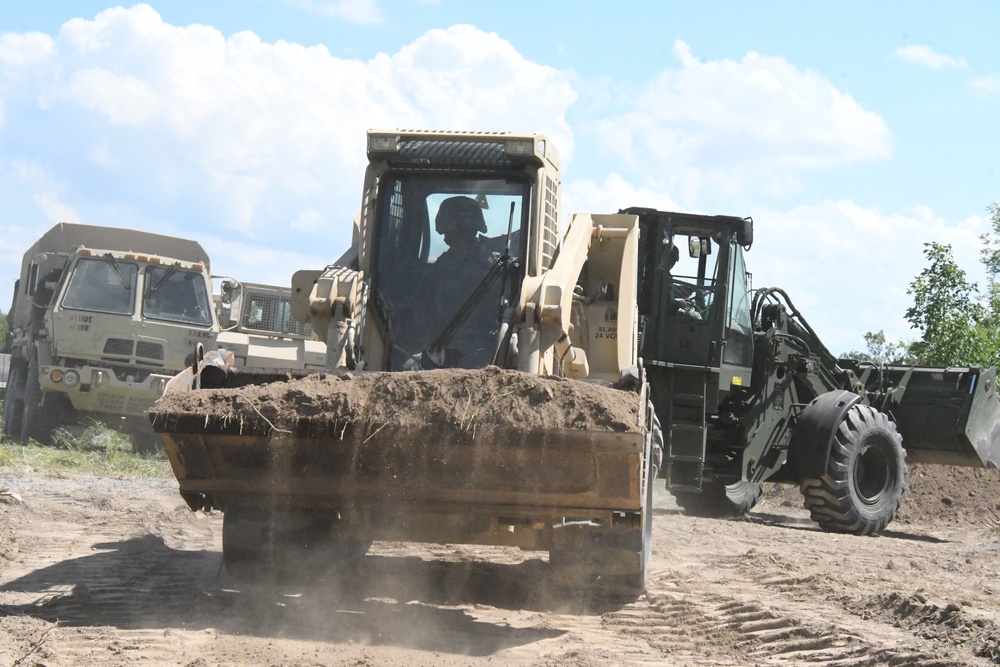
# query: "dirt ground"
[98,571]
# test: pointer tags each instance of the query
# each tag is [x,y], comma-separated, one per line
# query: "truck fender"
[812,438]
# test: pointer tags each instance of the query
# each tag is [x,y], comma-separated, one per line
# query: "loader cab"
[694,289]
[694,304]
[451,223]
[695,328]
[448,256]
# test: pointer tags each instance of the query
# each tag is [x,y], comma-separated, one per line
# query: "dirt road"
[96,571]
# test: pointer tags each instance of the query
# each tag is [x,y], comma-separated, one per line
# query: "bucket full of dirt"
[488,436]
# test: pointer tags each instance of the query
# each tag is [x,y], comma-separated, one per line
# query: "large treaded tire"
[39,420]
[13,403]
[865,476]
[720,501]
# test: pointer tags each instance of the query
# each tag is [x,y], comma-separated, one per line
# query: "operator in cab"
[455,275]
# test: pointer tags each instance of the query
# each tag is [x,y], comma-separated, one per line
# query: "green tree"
[879,349]
[3,329]
[958,324]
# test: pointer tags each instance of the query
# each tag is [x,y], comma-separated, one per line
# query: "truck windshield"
[438,239]
[178,295]
[103,285]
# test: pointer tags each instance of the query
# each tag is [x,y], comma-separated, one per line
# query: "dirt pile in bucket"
[362,403]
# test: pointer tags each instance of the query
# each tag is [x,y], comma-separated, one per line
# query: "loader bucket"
[948,416]
[464,456]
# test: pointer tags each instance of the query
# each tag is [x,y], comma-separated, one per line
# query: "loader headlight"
[56,375]
[520,147]
[71,378]
[383,143]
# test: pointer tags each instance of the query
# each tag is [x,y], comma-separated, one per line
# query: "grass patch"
[98,450]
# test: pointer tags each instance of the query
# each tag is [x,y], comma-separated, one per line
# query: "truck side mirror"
[744,233]
[699,247]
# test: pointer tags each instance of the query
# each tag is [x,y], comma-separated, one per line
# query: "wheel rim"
[871,474]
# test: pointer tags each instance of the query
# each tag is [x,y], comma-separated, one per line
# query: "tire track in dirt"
[132,576]
[775,590]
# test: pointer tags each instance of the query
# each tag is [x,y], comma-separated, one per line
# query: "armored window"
[439,240]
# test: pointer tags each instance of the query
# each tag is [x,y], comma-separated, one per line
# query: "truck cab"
[101,320]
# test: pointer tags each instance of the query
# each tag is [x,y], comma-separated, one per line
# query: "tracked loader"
[489,382]
[468,400]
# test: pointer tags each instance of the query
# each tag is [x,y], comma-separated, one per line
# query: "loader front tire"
[719,500]
[865,476]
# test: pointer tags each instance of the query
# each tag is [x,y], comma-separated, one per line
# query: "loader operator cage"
[695,278]
[439,239]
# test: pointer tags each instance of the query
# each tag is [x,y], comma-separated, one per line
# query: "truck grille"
[149,350]
[119,346]
[271,313]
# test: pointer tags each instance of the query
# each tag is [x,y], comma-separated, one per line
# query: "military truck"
[256,325]
[101,319]
[745,391]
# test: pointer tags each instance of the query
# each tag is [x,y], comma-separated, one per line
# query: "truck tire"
[865,476]
[13,403]
[612,563]
[39,420]
[720,501]
[143,438]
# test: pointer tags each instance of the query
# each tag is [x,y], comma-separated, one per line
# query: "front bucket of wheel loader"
[948,416]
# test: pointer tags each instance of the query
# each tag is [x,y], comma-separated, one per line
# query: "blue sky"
[852,132]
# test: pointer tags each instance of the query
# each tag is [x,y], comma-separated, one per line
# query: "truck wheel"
[13,403]
[865,476]
[38,420]
[718,500]
[143,438]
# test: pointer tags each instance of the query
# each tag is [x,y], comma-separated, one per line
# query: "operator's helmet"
[460,214]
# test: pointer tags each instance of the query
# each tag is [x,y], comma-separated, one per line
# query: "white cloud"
[352,11]
[611,196]
[986,85]
[731,126]
[150,125]
[847,267]
[927,57]
[22,50]
[308,221]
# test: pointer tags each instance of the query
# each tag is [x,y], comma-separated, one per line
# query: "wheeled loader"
[747,393]
[489,382]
